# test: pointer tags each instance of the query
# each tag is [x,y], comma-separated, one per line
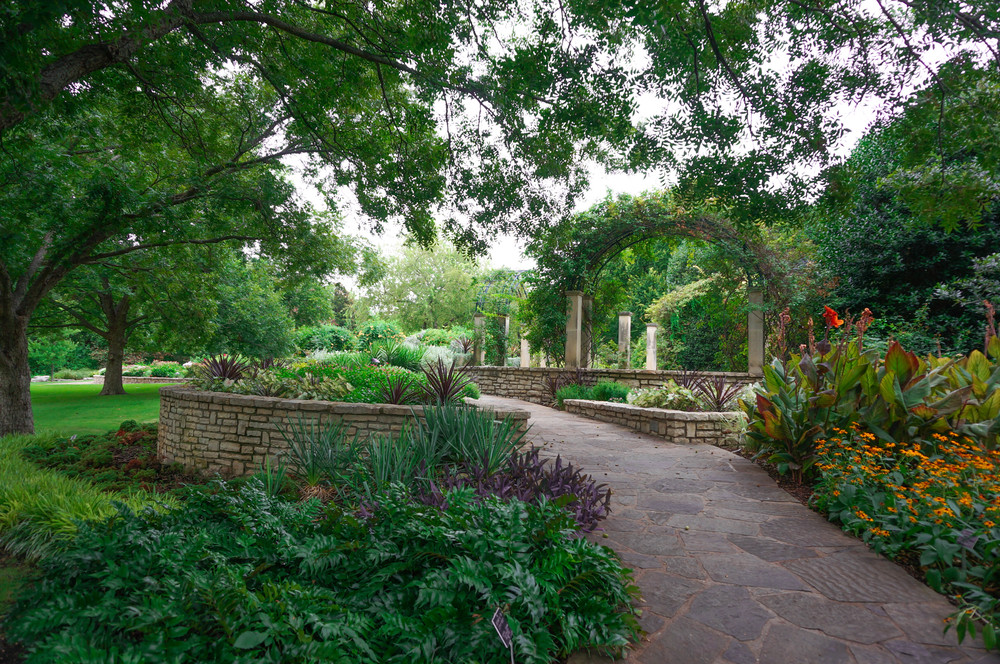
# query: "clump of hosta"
[671,397]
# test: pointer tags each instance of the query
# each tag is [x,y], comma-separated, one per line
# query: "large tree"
[129,127]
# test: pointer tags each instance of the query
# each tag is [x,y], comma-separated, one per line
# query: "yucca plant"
[469,435]
[321,452]
[445,382]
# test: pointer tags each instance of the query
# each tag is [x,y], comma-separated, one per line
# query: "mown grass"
[79,408]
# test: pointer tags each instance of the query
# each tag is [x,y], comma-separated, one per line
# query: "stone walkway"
[734,570]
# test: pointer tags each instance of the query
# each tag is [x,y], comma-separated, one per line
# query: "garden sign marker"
[503,631]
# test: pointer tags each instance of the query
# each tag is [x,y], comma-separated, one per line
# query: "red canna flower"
[832,320]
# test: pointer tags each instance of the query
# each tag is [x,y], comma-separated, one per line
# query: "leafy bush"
[325,337]
[167,370]
[471,391]
[73,374]
[378,331]
[671,396]
[136,370]
[448,355]
[530,479]
[370,382]
[899,398]
[937,501]
[40,510]
[607,390]
[571,391]
[238,576]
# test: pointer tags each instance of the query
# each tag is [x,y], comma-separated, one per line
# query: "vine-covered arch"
[572,255]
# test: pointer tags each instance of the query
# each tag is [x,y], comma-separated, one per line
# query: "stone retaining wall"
[231,434]
[144,379]
[676,426]
[532,384]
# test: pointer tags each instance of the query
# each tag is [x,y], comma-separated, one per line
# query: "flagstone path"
[734,570]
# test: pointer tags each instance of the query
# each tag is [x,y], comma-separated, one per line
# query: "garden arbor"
[579,249]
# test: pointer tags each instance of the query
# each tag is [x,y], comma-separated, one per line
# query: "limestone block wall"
[677,426]
[232,434]
[530,384]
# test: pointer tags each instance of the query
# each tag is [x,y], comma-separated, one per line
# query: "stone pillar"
[478,352]
[525,354]
[755,333]
[625,338]
[586,331]
[651,346]
[543,361]
[505,324]
[573,329]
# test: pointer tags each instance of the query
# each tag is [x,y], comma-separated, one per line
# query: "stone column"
[573,329]
[625,338]
[525,354]
[651,346]
[543,361]
[478,352]
[586,331]
[755,333]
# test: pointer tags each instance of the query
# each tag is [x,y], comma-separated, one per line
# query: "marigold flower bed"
[937,501]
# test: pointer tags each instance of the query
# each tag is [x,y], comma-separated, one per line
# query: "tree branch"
[139,247]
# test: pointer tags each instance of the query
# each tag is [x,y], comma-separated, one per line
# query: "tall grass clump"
[40,510]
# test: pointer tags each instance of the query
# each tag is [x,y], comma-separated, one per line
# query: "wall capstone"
[677,426]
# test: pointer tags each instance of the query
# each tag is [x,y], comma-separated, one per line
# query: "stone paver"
[734,570]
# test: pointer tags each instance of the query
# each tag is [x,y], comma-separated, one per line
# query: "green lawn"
[78,408]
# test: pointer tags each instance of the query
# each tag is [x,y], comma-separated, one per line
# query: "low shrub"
[530,479]
[378,331]
[136,370]
[118,461]
[73,374]
[41,510]
[471,391]
[571,391]
[167,370]
[670,396]
[607,390]
[325,337]
[238,576]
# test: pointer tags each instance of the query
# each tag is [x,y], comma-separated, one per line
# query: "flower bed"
[936,506]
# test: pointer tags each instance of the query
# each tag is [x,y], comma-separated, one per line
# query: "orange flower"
[832,320]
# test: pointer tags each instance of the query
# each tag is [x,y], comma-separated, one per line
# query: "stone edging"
[531,384]
[232,434]
[128,380]
[676,426]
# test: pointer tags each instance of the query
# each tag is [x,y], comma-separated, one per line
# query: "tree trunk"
[116,356]
[15,377]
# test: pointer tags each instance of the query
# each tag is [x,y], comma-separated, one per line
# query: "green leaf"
[248,640]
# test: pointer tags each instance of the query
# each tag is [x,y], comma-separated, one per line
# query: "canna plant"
[898,397]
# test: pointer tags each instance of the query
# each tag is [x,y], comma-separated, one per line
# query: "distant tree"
[424,288]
